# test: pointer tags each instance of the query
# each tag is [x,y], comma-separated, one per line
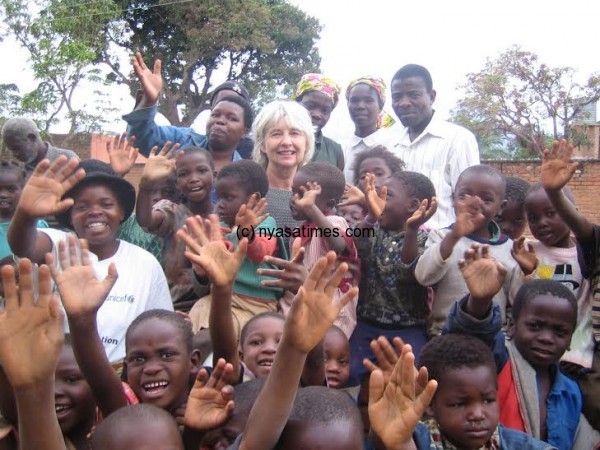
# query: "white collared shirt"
[354,145]
[441,152]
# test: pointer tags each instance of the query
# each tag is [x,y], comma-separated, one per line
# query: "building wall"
[585,184]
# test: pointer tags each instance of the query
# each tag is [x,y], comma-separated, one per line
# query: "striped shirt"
[441,152]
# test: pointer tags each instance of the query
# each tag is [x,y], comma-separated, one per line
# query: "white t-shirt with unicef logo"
[141,286]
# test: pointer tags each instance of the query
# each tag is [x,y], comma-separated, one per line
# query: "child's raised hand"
[525,255]
[42,195]
[122,154]
[31,330]
[206,249]
[151,80]
[482,273]
[252,214]
[308,199]
[353,196]
[395,408]
[314,309]
[468,215]
[425,211]
[375,202]
[159,165]
[210,402]
[292,274]
[82,294]
[557,169]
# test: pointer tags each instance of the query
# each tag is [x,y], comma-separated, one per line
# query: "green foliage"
[517,98]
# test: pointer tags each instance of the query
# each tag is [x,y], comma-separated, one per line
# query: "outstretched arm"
[312,314]
[82,295]
[41,197]
[31,337]
[555,173]
[206,248]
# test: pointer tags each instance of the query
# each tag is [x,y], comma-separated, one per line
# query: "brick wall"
[585,184]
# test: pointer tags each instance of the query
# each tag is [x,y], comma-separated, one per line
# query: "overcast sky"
[450,38]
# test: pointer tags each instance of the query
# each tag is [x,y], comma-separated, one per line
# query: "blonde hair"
[295,116]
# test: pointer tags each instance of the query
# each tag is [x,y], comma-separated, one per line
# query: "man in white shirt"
[438,149]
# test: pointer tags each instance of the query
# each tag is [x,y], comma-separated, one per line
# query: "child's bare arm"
[484,277]
[158,167]
[468,219]
[555,173]
[395,408]
[206,248]
[31,337]
[307,203]
[312,314]
[410,247]
[82,295]
[41,197]
[209,404]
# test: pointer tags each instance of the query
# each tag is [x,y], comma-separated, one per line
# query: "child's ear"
[195,363]
[510,327]
[502,205]
[331,203]
[414,205]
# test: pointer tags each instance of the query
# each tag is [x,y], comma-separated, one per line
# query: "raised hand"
[387,358]
[468,215]
[353,196]
[291,274]
[151,80]
[525,255]
[159,165]
[395,408]
[210,402]
[375,202]
[122,154]
[252,213]
[206,249]
[314,309]
[82,294]
[308,199]
[31,330]
[557,169]
[42,195]
[482,273]
[426,210]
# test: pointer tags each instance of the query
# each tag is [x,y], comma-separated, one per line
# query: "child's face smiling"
[231,197]
[194,176]
[75,405]
[158,364]
[11,184]
[96,216]
[260,345]
[337,359]
[353,214]
[544,222]
[376,167]
[488,188]
[465,406]
[543,330]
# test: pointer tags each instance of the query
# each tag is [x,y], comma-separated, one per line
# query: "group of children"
[465,337]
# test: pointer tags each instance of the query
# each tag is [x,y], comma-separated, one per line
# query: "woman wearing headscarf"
[320,95]
[366,97]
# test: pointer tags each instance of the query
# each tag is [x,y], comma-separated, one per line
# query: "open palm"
[151,80]
[557,169]
[483,275]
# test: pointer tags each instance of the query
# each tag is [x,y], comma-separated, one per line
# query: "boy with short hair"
[534,396]
[478,197]
[460,397]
